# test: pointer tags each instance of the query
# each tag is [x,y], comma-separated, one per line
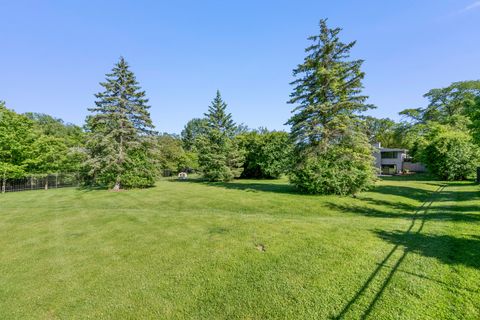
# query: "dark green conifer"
[120,129]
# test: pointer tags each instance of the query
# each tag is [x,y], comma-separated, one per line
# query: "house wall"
[414,167]
[378,159]
[400,162]
[397,161]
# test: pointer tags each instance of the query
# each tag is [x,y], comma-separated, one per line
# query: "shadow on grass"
[414,228]
[286,188]
[447,249]
[397,210]
[410,177]
[403,191]
[249,186]
[87,188]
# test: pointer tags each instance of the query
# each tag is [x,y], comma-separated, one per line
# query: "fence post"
[56,180]
[478,174]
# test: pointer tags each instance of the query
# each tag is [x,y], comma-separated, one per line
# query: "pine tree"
[218,118]
[120,129]
[219,156]
[332,154]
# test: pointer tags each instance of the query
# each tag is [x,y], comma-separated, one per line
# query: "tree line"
[327,151]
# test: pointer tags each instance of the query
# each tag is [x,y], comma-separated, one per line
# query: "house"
[395,161]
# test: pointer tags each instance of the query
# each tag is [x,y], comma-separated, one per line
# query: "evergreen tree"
[192,130]
[332,154]
[120,130]
[219,156]
[218,118]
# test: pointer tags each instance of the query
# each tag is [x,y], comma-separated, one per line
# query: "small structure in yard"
[182,176]
[395,161]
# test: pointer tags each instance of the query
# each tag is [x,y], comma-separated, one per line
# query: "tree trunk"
[119,162]
[46,183]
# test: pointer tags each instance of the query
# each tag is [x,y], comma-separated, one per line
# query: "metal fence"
[37,182]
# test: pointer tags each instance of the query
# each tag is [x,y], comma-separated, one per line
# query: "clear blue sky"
[53,54]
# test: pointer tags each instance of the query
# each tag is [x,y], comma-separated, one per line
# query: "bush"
[267,154]
[451,155]
[341,170]
[171,156]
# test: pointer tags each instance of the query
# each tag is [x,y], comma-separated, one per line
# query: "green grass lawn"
[243,250]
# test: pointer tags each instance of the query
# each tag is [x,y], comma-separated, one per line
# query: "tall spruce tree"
[120,130]
[219,156]
[332,154]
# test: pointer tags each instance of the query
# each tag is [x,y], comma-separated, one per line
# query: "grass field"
[243,250]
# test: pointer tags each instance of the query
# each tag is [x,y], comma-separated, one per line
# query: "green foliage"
[218,119]
[383,131]
[267,154]
[172,158]
[72,135]
[140,170]
[474,112]
[332,153]
[60,146]
[344,169]
[449,153]
[11,171]
[219,156]
[17,136]
[440,134]
[193,129]
[48,155]
[446,103]
[118,127]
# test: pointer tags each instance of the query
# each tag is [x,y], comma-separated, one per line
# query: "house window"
[390,155]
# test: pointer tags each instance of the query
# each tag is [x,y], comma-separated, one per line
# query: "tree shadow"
[459,195]
[437,281]
[398,210]
[411,177]
[403,191]
[286,188]
[390,257]
[447,249]
[249,186]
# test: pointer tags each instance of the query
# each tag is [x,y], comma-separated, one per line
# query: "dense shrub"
[343,169]
[451,154]
[267,154]
[172,158]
